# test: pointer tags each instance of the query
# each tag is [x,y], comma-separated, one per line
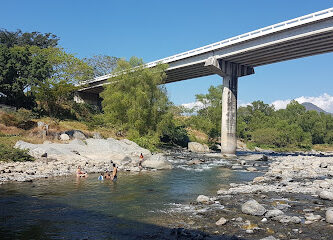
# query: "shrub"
[12,154]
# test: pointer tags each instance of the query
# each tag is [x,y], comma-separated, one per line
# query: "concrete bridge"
[236,57]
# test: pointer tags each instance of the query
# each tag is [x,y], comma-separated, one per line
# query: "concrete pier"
[229,115]
[230,72]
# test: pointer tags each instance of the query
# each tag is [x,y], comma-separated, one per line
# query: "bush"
[148,141]
[175,135]
[11,154]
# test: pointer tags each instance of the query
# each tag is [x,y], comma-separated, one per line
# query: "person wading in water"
[114,173]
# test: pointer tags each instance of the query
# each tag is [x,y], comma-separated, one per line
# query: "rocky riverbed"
[92,155]
[293,199]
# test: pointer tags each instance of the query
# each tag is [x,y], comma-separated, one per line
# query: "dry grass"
[323,147]
[197,135]
[10,130]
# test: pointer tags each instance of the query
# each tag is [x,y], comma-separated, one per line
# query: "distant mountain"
[310,106]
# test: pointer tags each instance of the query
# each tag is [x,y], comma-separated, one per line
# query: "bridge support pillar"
[230,72]
[229,115]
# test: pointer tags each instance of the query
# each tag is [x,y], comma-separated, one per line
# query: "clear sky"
[153,29]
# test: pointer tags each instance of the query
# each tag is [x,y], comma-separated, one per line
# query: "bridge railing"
[316,16]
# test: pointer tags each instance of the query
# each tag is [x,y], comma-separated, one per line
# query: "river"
[138,204]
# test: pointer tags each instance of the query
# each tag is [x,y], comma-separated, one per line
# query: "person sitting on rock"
[80,173]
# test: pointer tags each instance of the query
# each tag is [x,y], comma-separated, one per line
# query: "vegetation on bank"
[260,125]
[39,78]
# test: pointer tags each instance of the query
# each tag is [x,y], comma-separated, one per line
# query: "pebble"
[221,221]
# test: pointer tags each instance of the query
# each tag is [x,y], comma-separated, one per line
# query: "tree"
[20,70]
[134,99]
[11,39]
[102,64]
[208,118]
[55,94]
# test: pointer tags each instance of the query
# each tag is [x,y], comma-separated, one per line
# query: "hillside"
[310,106]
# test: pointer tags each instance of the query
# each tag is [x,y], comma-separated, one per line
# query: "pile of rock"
[92,154]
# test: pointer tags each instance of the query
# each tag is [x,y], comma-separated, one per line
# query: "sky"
[154,29]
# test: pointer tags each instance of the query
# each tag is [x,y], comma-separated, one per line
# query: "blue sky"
[155,29]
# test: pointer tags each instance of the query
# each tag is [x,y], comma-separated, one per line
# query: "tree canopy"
[135,99]
[102,64]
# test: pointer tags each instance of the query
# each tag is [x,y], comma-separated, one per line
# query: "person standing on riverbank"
[141,160]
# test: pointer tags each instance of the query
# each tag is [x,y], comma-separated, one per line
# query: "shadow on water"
[26,217]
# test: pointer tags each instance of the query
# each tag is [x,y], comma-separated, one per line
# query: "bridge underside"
[287,45]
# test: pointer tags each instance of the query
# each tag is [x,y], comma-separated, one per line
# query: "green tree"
[55,94]
[134,99]
[11,39]
[208,118]
[20,71]
[102,64]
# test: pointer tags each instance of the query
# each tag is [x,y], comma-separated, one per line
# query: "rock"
[64,137]
[97,135]
[269,238]
[251,169]
[194,162]
[287,219]
[273,213]
[157,161]
[259,179]
[264,220]
[323,165]
[312,217]
[202,199]
[255,157]
[221,221]
[329,216]
[197,147]
[239,219]
[79,135]
[236,167]
[326,195]
[252,207]
[257,149]
[249,231]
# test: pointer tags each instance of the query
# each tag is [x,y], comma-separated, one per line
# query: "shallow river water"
[71,208]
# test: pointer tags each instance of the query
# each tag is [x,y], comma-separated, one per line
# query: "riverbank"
[92,155]
[293,199]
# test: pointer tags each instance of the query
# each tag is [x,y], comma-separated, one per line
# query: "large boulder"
[202,199]
[329,215]
[157,161]
[328,195]
[252,207]
[64,137]
[197,147]
[76,134]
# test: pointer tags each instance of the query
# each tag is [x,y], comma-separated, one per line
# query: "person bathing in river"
[140,161]
[80,173]
[114,173]
[101,177]
[107,175]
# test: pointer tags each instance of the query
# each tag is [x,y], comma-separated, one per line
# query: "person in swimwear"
[114,173]
[80,173]
[140,161]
